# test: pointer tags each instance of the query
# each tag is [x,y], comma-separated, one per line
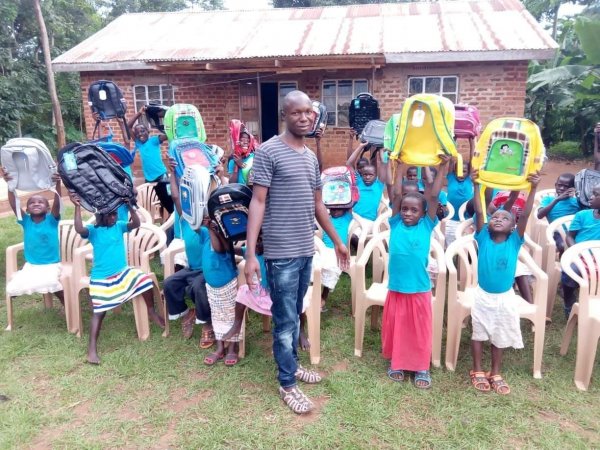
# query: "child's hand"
[445,159]
[566,194]
[238,161]
[5,174]
[75,199]
[534,179]
[319,134]
[56,178]
[351,133]
[143,109]
[474,175]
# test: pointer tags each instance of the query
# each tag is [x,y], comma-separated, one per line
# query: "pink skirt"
[406,330]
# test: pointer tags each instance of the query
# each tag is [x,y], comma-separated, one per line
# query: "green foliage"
[563,95]
[565,150]
[115,8]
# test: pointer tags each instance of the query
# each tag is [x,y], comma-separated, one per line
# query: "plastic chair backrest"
[585,257]
[143,242]
[69,240]
[465,250]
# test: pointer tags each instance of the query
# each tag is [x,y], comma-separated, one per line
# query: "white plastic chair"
[585,256]
[461,256]
[376,294]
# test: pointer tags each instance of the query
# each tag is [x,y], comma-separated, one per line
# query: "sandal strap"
[307,376]
[296,400]
[423,375]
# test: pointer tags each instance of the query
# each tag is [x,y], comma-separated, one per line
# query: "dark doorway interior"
[269,115]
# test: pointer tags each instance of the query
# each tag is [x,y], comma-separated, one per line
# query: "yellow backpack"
[423,130]
[507,152]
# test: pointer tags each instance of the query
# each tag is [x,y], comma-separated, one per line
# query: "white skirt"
[496,319]
[35,279]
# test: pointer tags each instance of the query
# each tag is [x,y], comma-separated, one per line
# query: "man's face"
[298,115]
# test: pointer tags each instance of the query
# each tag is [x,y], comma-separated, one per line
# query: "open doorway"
[271,96]
[269,117]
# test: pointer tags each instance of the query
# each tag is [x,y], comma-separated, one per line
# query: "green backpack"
[184,121]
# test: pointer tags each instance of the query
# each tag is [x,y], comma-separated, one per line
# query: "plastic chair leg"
[359,329]
[266,320]
[587,345]
[9,312]
[313,322]
[538,346]
[452,343]
[566,340]
[142,323]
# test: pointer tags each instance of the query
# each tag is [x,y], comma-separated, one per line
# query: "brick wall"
[497,89]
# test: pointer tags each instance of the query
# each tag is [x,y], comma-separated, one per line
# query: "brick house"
[239,64]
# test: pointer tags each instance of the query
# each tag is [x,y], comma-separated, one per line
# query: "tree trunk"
[555,20]
[60,127]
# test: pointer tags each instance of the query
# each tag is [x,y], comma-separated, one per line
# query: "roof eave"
[470,56]
[101,66]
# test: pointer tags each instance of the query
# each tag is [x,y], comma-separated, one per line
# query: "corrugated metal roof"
[448,30]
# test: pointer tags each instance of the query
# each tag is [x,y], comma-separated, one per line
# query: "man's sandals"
[207,339]
[307,376]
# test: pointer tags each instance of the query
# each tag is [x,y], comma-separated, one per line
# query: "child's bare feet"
[156,318]
[233,331]
[92,356]
[304,342]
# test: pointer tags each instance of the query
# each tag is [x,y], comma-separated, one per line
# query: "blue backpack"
[190,152]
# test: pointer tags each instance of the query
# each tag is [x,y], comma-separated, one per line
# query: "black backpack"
[91,173]
[106,99]
[228,207]
[373,132]
[155,114]
[363,109]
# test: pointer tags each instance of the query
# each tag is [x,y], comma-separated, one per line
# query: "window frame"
[441,92]
[355,92]
[160,86]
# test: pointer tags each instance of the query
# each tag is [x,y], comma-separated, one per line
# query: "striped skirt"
[222,308]
[108,293]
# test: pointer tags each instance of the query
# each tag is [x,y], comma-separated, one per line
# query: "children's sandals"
[213,358]
[480,381]
[231,359]
[499,385]
[424,377]
[396,375]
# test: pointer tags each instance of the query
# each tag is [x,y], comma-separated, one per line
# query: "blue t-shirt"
[152,164]
[586,225]
[562,208]
[218,268]
[497,261]
[459,192]
[242,173]
[109,249]
[40,240]
[370,196]
[409,252]
[443,198]
[177,224]
[194,244]
[341,225]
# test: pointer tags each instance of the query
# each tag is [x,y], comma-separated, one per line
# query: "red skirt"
[406,330]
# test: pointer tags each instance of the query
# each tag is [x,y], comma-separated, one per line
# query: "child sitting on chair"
[564,203]
[41,271]
[112,281]
[494,312]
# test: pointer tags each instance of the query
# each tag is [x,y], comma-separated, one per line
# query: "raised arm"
[350,148]
[12,201]
[397,189]
[382,166]
[217,242]
[432,192]
[477,206]
[355,156]
[57,195]
[134,218]
[77,222]
[174,182]
[534,180]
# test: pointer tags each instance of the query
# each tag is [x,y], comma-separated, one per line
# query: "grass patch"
[158,394]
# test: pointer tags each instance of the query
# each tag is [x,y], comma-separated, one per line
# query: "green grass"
[158,394]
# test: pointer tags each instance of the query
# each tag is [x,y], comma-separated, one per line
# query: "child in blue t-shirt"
[151,156]
[494,313]
[370,188]
[112,281]
[564,203]
[460,190]
[189,279]
[41,271]
[220,273]
[406,331]
[584,227]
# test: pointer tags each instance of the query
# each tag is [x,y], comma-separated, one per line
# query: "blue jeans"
[288,282]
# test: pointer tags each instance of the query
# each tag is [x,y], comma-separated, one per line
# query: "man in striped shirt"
[286,199]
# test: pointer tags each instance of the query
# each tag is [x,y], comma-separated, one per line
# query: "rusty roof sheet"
[401,32]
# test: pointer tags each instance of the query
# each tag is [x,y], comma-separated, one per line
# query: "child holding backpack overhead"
[151,156]
[41,271]
[112,281]
[406,332]
[494,312]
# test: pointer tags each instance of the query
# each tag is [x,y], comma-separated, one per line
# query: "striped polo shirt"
[292,178]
